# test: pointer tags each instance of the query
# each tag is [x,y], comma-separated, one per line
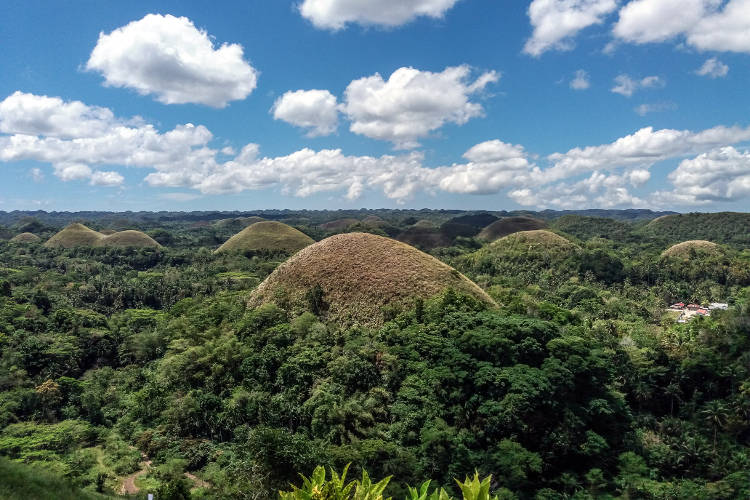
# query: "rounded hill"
[358,274]
[129,238]
[267,235]
[74,235]
[536,241]
[726,228]
[697,248]
[25,238]
[510,225]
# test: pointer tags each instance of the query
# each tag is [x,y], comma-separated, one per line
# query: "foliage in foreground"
[317,487]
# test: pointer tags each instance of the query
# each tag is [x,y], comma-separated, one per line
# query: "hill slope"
[723,227]
[74,235]
[267,235]
[22,482]
[358,274]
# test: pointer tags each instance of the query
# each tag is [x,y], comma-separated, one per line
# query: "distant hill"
[357,275]
[338,224]
[128,238]
[585,227]
[693,248]
[424,236]
[509,225]
[731,228]
[25,238]
[267,235]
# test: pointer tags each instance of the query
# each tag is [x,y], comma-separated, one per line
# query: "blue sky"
[474,104]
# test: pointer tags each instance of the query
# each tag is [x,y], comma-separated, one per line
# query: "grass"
[538,239]
[686,249]
[359,275]
[509,225]
[25,238]
[74,235]
[127,238]
[24,482]
[267,235]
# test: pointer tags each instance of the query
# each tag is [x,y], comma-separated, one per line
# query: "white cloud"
[170,58]
[556,22]
[713,68]
[655,107]
[720,175]
[336,14]
[704,24]
[315,110]
[727,30]
[627,86]
[641,150]
[36,174]
[580,81]
[108,178]
[413,103]
[598,190]
[72,171]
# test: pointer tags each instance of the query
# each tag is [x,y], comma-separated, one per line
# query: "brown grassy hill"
[129,238]
[687,249]
[338,224]
[74,235]
[359,274]
[107,232]
[25,238]
[510,225]
[267,235]
[373,221]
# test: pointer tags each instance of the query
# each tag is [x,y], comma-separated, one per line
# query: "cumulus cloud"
[314,110]
[109,178]
[704,24]
[599,190]
[627,86]
[580,81]
[170,58]
[641,149]
[36,174]
[719,175]
[713,68]
[413,103]
[336,14]
[556,22]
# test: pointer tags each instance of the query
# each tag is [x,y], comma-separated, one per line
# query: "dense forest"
[150,362]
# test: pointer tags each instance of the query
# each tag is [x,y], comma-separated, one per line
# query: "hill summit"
[267,235]
[358,274]
[686,249]
[74,235]
[24,238]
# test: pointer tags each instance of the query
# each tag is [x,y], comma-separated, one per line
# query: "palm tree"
[715,414]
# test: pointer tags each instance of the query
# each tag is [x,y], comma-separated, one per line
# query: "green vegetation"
[543,365]
[269,236]
[721,227]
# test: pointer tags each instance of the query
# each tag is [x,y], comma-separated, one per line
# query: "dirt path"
[128,484]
